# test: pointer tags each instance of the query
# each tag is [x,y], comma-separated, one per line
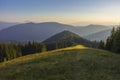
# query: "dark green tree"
[108,43]
[101,45]
[116,41]
[113,41]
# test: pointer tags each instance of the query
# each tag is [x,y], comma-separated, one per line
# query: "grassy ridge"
[74,63]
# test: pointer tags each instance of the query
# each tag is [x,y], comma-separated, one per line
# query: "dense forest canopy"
[113,41]
[10,51]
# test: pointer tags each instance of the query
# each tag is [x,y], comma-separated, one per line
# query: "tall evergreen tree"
[101,45]
[109,41]
[116,41]
[113,41]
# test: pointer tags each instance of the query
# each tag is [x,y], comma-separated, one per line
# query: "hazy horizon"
[75,12]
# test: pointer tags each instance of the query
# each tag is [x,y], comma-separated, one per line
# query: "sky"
[76,12]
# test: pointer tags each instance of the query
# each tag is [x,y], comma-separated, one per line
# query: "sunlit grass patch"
[37,55]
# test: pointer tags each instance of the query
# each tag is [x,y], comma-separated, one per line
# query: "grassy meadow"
[73,63]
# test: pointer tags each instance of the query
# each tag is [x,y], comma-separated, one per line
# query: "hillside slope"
[68,38]
[73,63]
[62,36]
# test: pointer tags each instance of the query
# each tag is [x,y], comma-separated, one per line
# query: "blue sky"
[64,11]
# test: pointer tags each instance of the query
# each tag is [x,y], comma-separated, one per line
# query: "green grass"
[64,64]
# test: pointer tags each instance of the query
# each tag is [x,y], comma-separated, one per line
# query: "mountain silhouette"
[41,31]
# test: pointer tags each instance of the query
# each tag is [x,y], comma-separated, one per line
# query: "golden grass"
[38,55]
[75,47]
[68,48]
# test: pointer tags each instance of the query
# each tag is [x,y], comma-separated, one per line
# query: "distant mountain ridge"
[102,35]
[4,25]
[41,31]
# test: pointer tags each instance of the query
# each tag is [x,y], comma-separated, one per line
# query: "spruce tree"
[116,41]
[108,43]
[101,45]
[113,41]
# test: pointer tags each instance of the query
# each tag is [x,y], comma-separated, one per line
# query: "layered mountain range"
[42,31]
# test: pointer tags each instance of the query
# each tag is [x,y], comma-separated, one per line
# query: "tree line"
[10,51]
[70,42]
[113,41]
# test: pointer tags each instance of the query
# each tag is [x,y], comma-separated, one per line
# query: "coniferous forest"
[10,51]
[113,41]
